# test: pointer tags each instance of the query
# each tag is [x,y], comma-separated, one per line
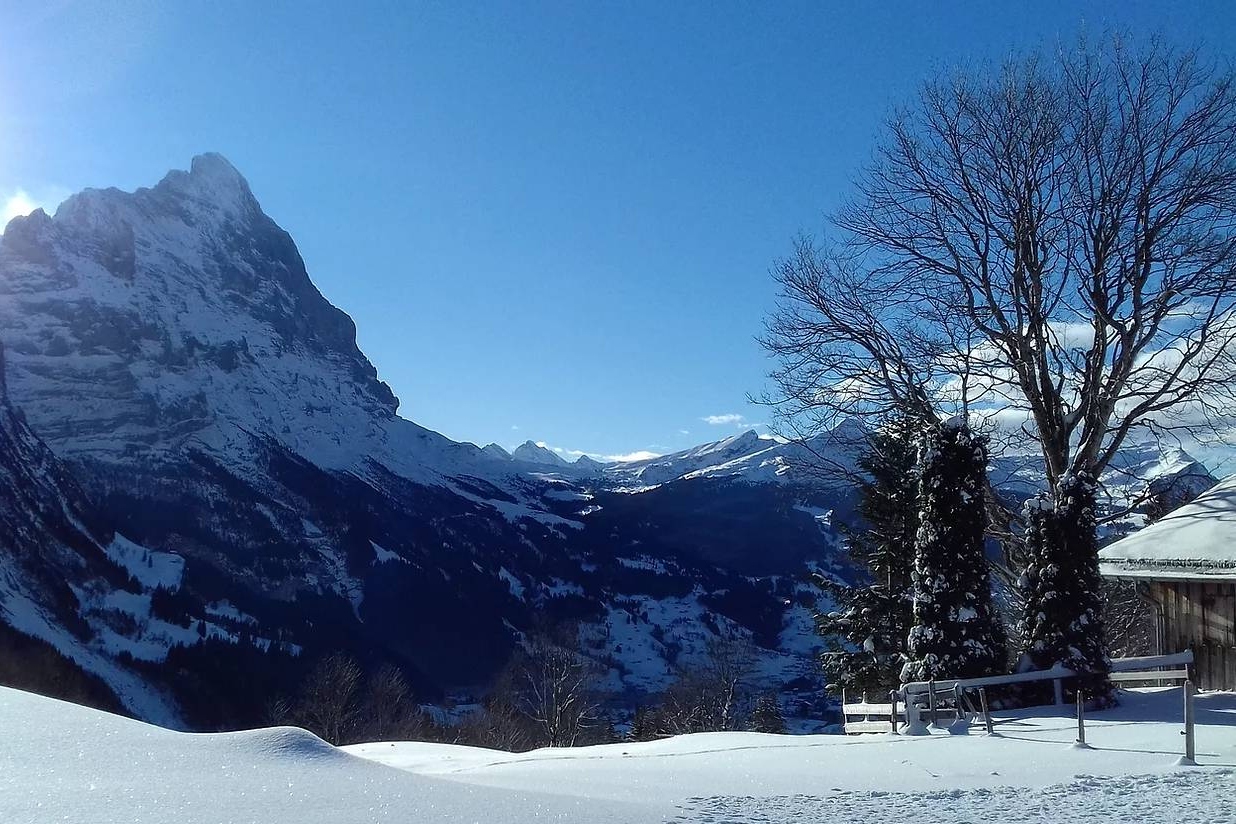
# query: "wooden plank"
[1145,662]
[867,709]
[1165,675]
[856,727]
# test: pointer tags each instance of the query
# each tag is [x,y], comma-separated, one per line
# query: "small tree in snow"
[865,636]
[646,725]
[956,632]
[767,717]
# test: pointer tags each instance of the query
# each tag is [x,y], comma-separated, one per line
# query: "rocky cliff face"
[176,315]
[70,581]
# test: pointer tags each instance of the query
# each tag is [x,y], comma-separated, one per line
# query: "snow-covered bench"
[865,716]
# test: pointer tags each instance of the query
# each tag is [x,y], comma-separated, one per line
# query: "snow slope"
[61,762]
[65,763]
[1029,772]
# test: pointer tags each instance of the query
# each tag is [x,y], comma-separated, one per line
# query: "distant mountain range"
[208,486]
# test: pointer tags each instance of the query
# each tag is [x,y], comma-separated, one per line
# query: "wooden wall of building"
[1201,616]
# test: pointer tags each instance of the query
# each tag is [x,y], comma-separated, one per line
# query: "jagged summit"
[212,179]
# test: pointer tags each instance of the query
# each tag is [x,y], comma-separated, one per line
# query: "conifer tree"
[956,632]
[865,636]
[767,717]
[646,725]
[1062,623]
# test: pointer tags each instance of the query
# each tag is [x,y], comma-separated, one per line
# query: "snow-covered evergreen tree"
[767,717]
[956,632]
[865,635]
[1062,622]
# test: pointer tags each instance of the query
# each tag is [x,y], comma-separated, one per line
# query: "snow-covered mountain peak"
[585,462]
[532,452]
[212,180]
[180,312]
[494,451]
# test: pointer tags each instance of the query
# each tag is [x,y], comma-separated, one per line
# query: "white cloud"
[640,455]
[684,431]
[728,419]
[514,428]
[626,457]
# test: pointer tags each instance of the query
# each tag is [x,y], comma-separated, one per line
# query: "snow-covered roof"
[1195,542]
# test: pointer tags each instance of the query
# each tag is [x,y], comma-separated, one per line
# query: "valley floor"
[60,762]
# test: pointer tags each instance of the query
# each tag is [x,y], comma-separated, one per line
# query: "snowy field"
[64,763]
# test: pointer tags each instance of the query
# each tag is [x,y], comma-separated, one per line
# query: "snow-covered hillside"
[60,762]
[70,581]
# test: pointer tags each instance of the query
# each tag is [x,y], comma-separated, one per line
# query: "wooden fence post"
[1081,718]
[892,716]
[931,703]
[986,711]
[1190,756]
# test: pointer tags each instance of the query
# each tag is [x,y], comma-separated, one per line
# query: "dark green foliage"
[646,725]
[221,685]
[767,717]
[865,636]
[34,665]
[1062,622]
[956,632]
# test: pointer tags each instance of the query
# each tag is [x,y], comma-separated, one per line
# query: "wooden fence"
[952,700]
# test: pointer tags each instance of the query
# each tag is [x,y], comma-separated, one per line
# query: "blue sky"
[549,220]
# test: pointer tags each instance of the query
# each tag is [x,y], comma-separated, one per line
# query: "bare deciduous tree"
[389,711]
[1047,245]
[711,695]
[555,686]
[329,700]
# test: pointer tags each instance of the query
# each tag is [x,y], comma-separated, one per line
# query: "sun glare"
[19,203]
